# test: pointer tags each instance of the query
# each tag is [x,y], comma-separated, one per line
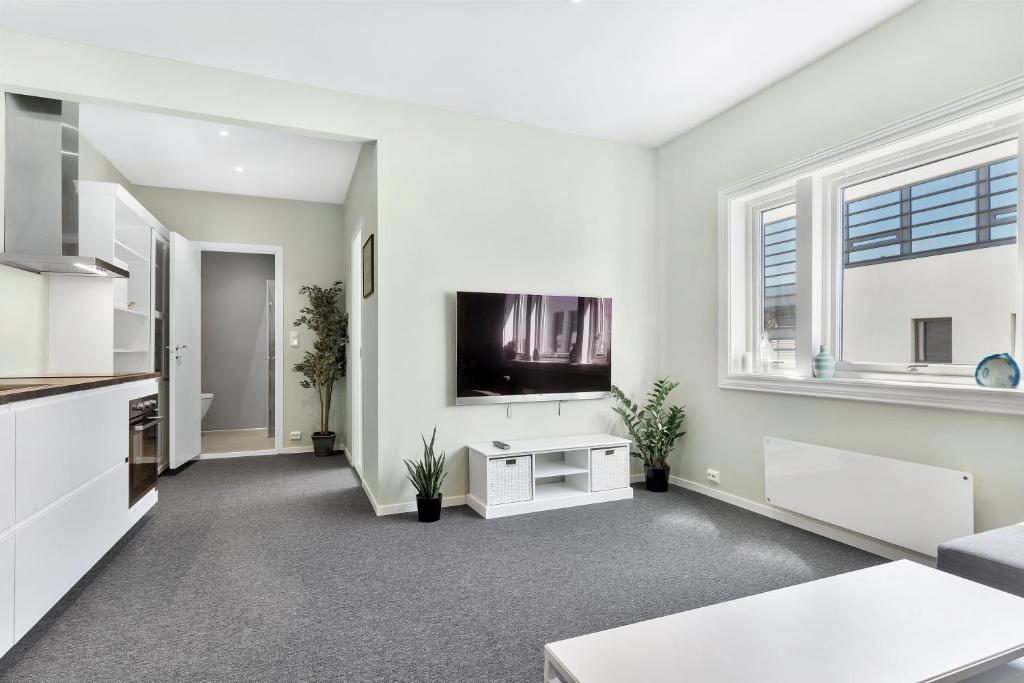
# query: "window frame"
[756,237]
[922,154]
[815,184]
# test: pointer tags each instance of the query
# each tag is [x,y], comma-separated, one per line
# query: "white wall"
[925,57]
[24,322]
[976,288]
[464,203]
[360,214]
[480,206]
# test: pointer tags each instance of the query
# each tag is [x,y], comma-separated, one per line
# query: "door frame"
[278,253]
[354,306]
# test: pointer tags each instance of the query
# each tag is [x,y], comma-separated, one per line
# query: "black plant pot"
[428,509]
[656,479]
[323,443]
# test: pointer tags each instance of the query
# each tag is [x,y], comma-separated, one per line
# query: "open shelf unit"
[117,219]
[105,325]
[132,301]
[545,474]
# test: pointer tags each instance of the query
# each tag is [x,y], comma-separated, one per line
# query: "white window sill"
[907,392]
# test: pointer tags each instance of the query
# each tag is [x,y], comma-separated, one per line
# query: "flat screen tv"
[532,347]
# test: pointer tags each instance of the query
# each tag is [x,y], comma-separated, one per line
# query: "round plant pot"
[323,443]
[428,509]
[656,479]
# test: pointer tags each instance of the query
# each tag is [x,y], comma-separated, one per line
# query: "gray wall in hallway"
[234,338]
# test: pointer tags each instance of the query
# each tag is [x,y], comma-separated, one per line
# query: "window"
[898,251]
[969,208]
[933,240]
[933,340]
[777,341]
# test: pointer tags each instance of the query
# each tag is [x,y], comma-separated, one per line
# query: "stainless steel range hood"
[41,190]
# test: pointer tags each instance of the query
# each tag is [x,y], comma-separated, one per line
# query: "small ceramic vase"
[824,363]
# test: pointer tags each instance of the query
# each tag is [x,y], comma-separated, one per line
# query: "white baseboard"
[369,494]
[849,538]
[362,482]
[268,451]
[237,454]
[399,508]
[806,523]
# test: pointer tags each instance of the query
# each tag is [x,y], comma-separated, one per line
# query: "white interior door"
[355,354]
[185,351]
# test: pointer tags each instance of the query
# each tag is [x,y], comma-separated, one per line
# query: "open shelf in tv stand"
[562,473]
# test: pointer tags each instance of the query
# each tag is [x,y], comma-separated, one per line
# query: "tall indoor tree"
[324,364]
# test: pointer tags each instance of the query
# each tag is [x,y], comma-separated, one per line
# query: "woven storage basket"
[509,480]
[609,468]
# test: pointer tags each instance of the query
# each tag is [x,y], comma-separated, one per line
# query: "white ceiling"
[639,71]
[191,154]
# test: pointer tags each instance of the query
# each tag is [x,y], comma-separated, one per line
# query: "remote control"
[501,444]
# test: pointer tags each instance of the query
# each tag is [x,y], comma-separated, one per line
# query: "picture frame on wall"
[368,273]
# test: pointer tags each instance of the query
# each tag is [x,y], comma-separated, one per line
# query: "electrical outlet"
[713,476]
[295,436]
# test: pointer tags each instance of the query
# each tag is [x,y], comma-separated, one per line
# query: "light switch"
[293,338]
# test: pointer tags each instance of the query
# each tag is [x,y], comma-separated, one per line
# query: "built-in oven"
[143,446]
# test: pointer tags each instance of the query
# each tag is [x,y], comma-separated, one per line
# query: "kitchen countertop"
[24,388]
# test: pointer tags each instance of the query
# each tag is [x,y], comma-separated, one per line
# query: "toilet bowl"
[207,400]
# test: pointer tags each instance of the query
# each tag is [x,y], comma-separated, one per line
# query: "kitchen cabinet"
[6,594]
[7,509]
[63,495]
[56,549]
[64,441]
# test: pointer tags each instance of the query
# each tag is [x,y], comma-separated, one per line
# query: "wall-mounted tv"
[532,347]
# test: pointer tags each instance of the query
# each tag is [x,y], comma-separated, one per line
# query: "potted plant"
[324,364]
[654,428]
[427,476]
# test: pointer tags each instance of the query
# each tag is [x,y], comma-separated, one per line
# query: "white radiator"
[910,505]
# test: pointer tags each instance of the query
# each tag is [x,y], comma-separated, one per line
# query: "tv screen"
[531,347]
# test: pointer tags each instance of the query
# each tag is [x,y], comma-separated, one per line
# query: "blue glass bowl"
[998,370]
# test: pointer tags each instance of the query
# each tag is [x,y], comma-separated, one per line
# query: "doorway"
[230,358]
[236,363]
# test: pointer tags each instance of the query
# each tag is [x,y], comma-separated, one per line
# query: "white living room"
[643,341]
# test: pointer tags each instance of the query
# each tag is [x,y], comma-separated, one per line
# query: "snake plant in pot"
[654,427]
[426,476]
[323,365]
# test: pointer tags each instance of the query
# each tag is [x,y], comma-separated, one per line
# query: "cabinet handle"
[511,463]
[610,451]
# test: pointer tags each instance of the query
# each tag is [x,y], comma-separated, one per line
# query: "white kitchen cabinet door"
[64,442]
[6,469]
[56,549]
[184,371]
[6,594]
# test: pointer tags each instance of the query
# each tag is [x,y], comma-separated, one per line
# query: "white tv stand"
[546,474]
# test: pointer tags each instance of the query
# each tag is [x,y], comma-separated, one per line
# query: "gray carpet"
[275,568]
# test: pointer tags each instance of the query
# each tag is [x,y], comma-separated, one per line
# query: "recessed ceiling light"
[575,2]
[239,169]
[225,133]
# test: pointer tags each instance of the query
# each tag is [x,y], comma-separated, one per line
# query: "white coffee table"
[900,622]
